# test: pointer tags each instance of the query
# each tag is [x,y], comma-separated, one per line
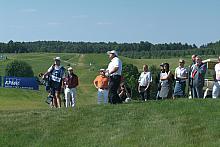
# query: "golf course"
[26,120]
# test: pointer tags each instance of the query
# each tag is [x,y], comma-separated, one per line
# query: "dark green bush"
[19,69]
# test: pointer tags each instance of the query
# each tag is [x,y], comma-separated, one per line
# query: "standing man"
[70,82]
[180,76]
[144,83]
[197,75]
[114,72]
[101,83]
[216,86]
[57,74]
[190,81]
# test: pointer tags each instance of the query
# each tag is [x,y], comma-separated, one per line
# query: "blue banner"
[21,82]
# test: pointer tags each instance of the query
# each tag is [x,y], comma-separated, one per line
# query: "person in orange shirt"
[101,83]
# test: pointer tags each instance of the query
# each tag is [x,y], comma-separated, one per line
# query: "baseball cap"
[57,58]
[161,64]
[102,69]
[70,68]
[181,61]
[112,52]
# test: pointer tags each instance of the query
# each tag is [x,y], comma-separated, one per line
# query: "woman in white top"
[180,76]
[166,82]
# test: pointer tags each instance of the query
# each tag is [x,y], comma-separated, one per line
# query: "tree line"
[142,49]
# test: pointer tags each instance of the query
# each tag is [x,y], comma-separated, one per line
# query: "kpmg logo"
[21,82]
[14,82]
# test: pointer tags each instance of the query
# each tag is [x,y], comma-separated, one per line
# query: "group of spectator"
[112,89]
[174,85]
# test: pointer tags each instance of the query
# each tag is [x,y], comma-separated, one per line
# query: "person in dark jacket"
[70,83]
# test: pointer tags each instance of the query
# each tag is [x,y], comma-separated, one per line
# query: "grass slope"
[155,123]
[25,119]
[86,93]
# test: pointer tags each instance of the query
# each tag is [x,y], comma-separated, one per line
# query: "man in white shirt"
[216,86]
[114,72]
[144,83]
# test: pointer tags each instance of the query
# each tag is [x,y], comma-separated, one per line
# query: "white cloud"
[29,10]
[104,23]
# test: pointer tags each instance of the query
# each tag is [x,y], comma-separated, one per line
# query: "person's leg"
[99,96]
[73,96]
[200,92]
[142,95]
[177,90]
[194,92]
[113,89]
[105,93]
[145,95]
[215,90]
[58,99]
[67,97]
[183,87]
[148,93]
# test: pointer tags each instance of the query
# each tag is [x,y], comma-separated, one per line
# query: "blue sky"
[156,21]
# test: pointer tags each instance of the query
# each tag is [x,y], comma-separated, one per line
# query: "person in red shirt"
[70,83]
[101,83]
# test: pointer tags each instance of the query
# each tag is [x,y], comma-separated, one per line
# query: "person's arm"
[167,77]
[214,75]
[95,82]
[77,81]
[202,69]
[48,71]
[175,74]
[114,70]
[121,93]
[148,84]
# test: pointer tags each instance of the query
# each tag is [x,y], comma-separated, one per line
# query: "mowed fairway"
[26,120]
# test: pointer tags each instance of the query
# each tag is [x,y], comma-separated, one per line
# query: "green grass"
[40,62]
[155,123]
[26,120]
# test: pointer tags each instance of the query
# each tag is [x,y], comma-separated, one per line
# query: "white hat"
[57,58]
[70,68]
[102,69]
[112,52]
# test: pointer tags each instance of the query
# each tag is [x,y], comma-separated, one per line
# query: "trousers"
[70,97]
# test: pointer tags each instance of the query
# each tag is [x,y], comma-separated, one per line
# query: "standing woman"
[180,77]
[166,79]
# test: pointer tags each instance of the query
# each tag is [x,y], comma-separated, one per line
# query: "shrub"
[19,69]
[131,75]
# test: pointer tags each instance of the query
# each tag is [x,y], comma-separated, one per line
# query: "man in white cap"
[56,71]
[101,83]
[114,71]
[70,82]
[216,76]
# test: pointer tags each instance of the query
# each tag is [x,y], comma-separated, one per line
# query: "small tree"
[19,69]
[131,75]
